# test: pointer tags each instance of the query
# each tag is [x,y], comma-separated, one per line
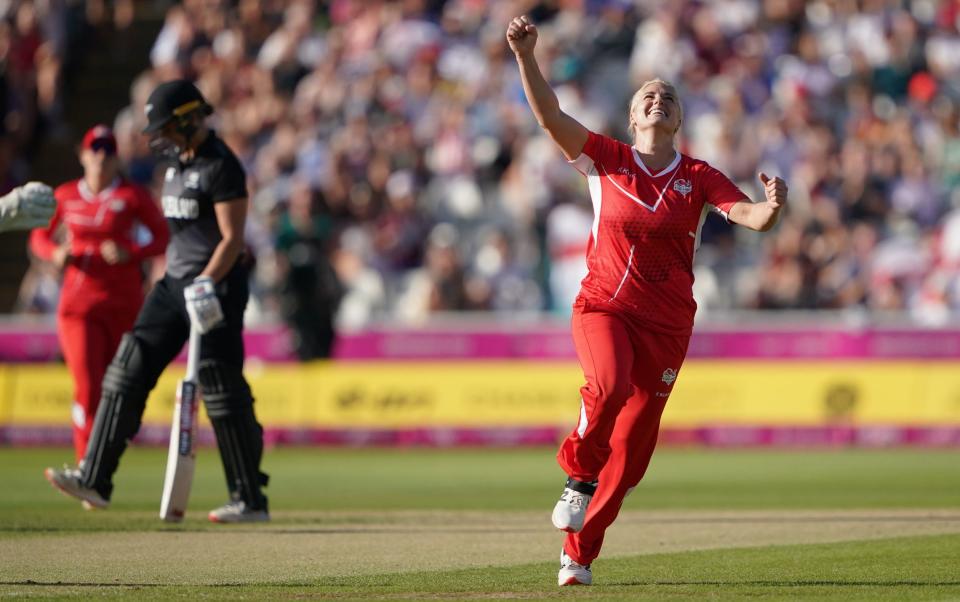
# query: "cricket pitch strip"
[302,546]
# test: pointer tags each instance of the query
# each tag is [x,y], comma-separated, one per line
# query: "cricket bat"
[183,434]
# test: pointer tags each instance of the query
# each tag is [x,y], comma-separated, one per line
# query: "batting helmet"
[173,100]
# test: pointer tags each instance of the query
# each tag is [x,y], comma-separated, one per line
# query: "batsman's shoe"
[571,508]
[70,482]
[237,512]
[572,572]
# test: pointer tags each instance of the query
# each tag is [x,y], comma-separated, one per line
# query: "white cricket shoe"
[237,512]
[571,508]
[573,573]
[70,482]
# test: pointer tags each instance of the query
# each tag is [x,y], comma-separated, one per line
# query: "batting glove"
[203,306]
[28,206]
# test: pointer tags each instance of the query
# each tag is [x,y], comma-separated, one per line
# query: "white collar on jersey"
[88,194]
[665,170]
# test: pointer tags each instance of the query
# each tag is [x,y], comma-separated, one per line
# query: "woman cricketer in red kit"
[100,256]
[633,317]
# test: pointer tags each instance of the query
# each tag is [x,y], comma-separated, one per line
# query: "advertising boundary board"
[724,403]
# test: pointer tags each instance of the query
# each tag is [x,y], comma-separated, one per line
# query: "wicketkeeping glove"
[202,304]
[28,206]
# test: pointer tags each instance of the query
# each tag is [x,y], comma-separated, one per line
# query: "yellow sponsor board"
[481,393]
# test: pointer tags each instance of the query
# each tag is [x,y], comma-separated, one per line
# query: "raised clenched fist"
[774,189]
[521,35]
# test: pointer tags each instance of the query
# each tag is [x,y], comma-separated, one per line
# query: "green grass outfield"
[474,524]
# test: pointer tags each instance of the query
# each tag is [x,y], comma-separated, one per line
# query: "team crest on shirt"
[682,186]
[669,375]
[116,205]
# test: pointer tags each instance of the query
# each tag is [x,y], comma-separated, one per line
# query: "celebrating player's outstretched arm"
[762,216]
[566,131]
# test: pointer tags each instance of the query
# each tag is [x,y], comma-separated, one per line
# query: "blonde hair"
[635,101]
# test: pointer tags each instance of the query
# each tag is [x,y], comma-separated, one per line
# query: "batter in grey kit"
[204,198]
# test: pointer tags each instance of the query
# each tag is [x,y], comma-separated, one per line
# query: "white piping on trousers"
[626,272]
[582,425]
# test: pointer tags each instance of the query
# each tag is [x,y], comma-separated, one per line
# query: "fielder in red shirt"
[102,283]
[634,314]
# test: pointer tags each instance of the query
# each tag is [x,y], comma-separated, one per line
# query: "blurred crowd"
[41,43]
[34,42]
[396,171]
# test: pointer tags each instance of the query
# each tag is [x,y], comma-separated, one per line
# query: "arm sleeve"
[42,242]
[721,193]
[596,147]
[148,213]
[229,182]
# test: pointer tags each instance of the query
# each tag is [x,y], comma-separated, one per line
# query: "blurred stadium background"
[403,198]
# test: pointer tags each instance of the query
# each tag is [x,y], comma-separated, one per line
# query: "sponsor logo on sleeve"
[669,376]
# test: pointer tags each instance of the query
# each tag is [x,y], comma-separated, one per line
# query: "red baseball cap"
[100,137]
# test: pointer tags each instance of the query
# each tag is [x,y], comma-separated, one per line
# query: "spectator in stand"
[855,104]
[311,290]
[39,42]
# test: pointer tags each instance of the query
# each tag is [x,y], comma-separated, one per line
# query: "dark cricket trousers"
[161,329]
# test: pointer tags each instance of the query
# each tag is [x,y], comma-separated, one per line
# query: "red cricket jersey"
[646,229]
[89,281]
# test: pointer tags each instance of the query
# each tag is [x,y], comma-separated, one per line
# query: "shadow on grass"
[653,583]
[787,518]
[791,583]
[269,530]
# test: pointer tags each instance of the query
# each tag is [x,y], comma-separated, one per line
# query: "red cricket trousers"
[88,341]
[629,374]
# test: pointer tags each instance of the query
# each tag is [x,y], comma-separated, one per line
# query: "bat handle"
[193,354]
